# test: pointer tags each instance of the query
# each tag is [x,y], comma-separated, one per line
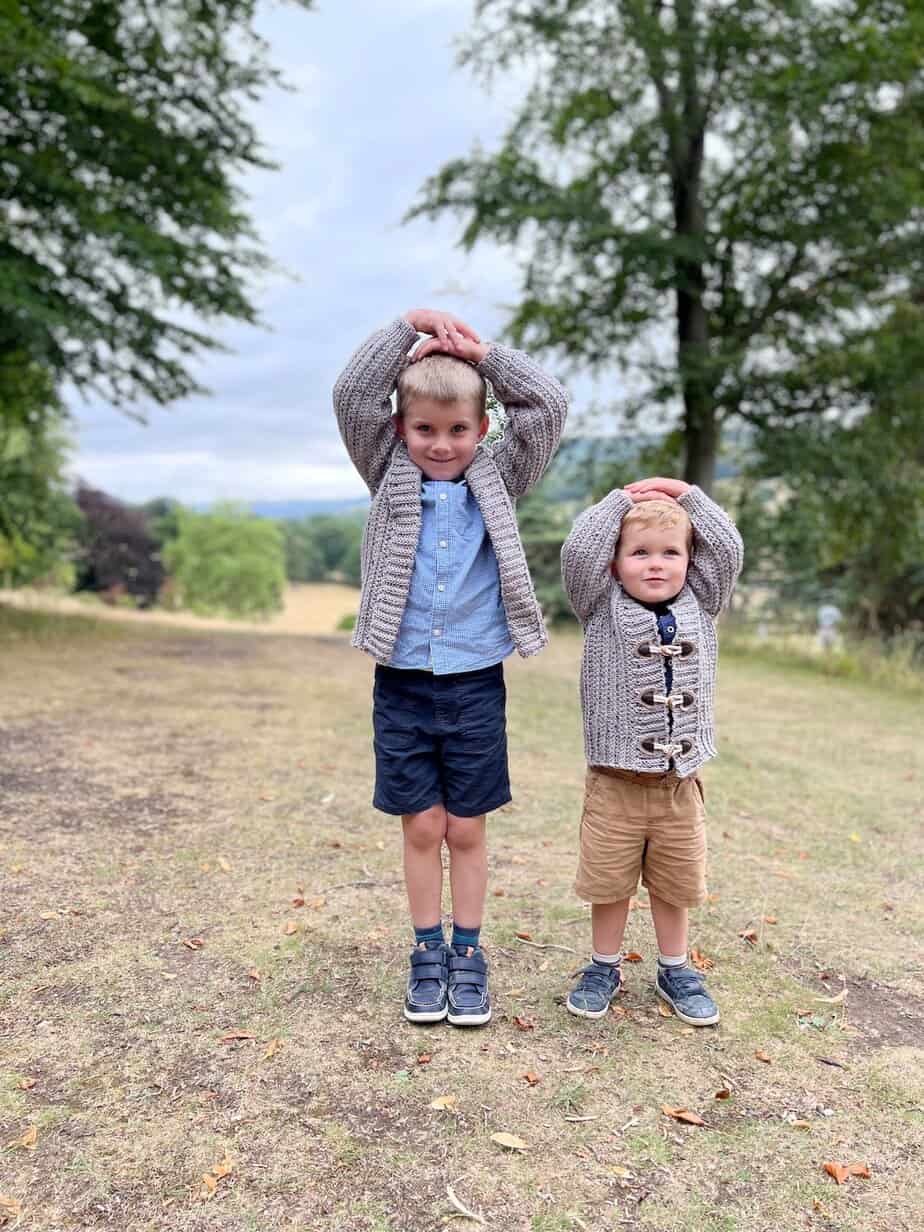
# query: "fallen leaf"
[49,915]
[298,902]
[524,936]
[193,943]
[523,1024]
[254,974]
[531,1078]
[317,903]
[500,893]
[859,1170]
[748,934]
[838,1171]
[683,1114]
[224,864]
[665,1010]
[444,1103]
[762,1056]
[700,961]
[770,919]
[291,928]
[633,956]
[801,1124]
[620,1171]
[237,1035]
[425,1058]
[27,1084]
[517,992]
[10,1208]
[723,1094]
[510,1141]
[210,1183]
[26,1140]
[888,906]
[274,1046]
[841,996]
[222,1169]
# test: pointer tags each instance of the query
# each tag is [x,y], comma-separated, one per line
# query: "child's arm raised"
[536,407]
[717,548]
[362,398]
[589,550]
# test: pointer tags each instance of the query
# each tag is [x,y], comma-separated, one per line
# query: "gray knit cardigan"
[623,696]
[536,406]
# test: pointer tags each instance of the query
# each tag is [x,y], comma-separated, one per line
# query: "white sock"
[672,960]
[610,960]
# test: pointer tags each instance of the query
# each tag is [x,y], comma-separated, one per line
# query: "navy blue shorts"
[440,740]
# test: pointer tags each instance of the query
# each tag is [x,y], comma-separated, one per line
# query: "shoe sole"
[692,1022]
[579,1013]
[469,1020]
[424,1015]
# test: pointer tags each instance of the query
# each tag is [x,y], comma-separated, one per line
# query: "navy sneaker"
[684,990]
[598,985]
[469,999]
[427,983]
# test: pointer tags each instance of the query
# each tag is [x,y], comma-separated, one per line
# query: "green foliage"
[324,547]
[126,129]
[544,526]
[836,509]
[748,176]
[39,521]
[228,562]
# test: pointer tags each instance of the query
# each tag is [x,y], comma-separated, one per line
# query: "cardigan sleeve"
[362,399]
[718,551]
[536,407]
[589,550]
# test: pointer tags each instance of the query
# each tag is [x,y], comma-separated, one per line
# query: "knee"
[465,834]
[425,830]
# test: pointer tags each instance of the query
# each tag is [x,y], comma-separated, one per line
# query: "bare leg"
[468,868]
[608,925]
[670,925]
[423,869]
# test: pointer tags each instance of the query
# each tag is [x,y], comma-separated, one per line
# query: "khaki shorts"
[648,824]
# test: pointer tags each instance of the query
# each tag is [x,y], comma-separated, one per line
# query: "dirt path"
[314,609]
[204,941]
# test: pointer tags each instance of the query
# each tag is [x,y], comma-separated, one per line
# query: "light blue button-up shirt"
[454,620]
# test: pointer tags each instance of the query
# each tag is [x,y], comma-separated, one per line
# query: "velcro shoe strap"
[475,964]
[427,965]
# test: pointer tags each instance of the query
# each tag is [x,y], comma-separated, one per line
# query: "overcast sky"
[380,105]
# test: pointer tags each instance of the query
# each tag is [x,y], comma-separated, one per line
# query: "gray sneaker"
[426,997]
[684,990]
[598,985]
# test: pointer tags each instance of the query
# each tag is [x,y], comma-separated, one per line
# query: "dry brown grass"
[160,788]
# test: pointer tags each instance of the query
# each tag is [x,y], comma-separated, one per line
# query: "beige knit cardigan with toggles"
[623,696]
[535,406]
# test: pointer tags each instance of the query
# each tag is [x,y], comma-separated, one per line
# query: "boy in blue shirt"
[446,596]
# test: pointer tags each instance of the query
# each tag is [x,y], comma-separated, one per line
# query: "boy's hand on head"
[658,488]
[447,330]
[465,348]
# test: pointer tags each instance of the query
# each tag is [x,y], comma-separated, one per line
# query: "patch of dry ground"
[166,799]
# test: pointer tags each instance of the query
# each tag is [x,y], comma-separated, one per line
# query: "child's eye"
[460,428]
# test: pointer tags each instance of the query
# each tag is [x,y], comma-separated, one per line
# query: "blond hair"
[444,379]
[660,513]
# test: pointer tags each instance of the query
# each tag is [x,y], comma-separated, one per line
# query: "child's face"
[651,562]
[441,437]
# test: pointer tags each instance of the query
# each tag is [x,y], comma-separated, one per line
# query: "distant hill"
[297,509]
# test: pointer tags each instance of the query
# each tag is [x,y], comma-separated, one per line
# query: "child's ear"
[483,427]
[399,426]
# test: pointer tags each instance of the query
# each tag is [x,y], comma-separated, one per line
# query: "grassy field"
[204,943]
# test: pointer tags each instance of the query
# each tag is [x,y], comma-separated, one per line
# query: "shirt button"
[443,543]
[437,632]
[442,495]
[440,586]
